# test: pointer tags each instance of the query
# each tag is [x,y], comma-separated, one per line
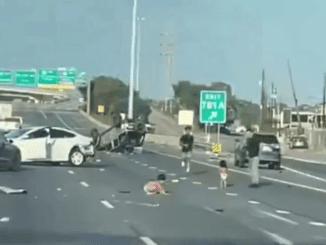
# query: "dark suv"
[269,151]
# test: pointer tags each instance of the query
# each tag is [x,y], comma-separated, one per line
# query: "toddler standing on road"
[223,173]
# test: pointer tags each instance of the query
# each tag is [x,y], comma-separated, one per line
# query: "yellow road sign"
[100,108]
[216,149]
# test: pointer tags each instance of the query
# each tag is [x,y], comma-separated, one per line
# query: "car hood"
[83,140]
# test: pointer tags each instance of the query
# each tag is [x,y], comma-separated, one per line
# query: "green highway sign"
[69,76]
[48,77]
[212,107]
[26,77]
[5,76]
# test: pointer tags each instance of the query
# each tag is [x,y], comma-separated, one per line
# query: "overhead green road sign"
[26,78]
[212,107]
[5,76]
[48,77]
[69,76]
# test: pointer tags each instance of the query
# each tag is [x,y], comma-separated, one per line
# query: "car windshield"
[267,139]
[10,119]
[17,133]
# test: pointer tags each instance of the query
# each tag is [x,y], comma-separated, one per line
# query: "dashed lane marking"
[71,172]
[44,115]
[279,218]
[162,171]
[147,240]
[175,180]
[137,162]
[183,178]
[254,202]
[282,212]
[5,219]
[317,223]
[98,160]
[245,173]
[172,174]
[196,183]
[212,188]
[106,204]
[84,184]
[277,238]
[231,194]
[58,189]
[102,169]
[153,167]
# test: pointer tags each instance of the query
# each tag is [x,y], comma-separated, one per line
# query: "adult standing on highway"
[95,142]
[253,148]
[186,142]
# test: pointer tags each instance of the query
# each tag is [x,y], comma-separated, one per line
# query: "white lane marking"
[63,122]
[137,162]
[254,202]
[209,209]
[71,172]
[128,201]
[84,184]
[282,212]
[279,218]
[153,167]
[44,115]
[106,204]
[317,223]
[162,171]
[144,165]
[183,178]
[304,160]
[147,240]
[102,169]
[113,195]
[175,180]
[76,128]
[119,153]
[308,175]
[212,188]
[196,183]
[172,174]
[35,196]
[58,189]
[98,160]
[127,221]
[231,194]
[148,204]
[107,152]
[116,200]
[277,238]
[245,173]
[5,219]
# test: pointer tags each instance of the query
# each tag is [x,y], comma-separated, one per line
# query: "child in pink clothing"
[223,173]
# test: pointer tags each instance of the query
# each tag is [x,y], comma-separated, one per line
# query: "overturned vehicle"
[124,136]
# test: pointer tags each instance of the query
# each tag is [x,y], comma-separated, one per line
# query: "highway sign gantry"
[5,76]
[48,77]
[26,78]
[212,107]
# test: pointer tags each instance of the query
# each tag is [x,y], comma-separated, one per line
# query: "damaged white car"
[51,144]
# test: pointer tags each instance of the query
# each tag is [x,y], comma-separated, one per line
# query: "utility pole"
[324,100]
[89,97]
[138,53]
[262,102]
[132,65]
[295,100]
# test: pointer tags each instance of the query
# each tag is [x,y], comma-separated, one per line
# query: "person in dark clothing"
[95,142]
[186,142]
[253,147]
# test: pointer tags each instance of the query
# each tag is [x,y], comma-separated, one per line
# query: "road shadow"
[229,185]
[200,172]
[65,165]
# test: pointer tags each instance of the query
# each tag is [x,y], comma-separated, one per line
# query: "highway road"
[104,203]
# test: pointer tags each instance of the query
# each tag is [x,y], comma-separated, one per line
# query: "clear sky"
[229,40]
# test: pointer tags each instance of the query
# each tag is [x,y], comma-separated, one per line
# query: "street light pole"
[132,65]
[138,53]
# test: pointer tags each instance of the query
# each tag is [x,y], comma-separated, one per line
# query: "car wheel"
[76,158]
[16,162]
[236,161]
[277,166]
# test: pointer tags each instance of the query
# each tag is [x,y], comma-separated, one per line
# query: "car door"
[61,142]
[33,145]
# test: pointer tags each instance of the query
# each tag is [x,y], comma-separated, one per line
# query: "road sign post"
[26,78]
[213,108]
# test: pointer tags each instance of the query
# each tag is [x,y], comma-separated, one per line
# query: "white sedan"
[11,123]
[51,144]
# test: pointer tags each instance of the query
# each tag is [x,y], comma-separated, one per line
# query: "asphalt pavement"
[104,203]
